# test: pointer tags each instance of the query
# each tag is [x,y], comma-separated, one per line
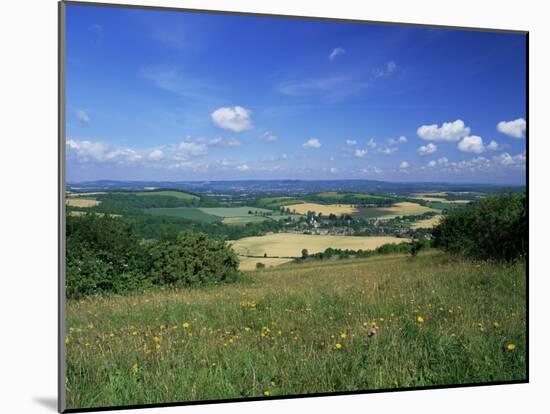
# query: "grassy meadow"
[298,329]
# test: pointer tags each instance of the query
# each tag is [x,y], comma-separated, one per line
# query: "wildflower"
[338,346]
[267,393]
[135,368]
[496,325]
[67,340]
[343,335]
[158,347]
[185,325]
[420,319]
[511,347]
[90,326]
[247,329]
[156,338]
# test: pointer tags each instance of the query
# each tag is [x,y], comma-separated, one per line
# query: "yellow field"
[291,245]
[428,223]
[82,202]
[337,209]
[249,263]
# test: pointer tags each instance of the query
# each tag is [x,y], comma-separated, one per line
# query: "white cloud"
[431,164]
[243,167]
[388,151]
[427,149]
[82,116]
[351,142]
[336,52]
[472,143]
[493,146]
[506,159]
[514,129]
[236,118]
[404,165]
[312,143]
[187,150]
[88,151]
[443,161]
[448,132]
[387,70]
[371,170]
[396,141]
[333,170]
[360,153]
[269,136]
[371,143]
[155,155]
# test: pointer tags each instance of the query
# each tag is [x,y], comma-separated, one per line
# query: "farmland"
[427,223]
[184,212]
[291,245]
[82,202]
[177,194]
[298,329]
[396,210]
[336,209]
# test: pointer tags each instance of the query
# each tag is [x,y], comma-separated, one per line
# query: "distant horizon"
[207,97]
[304,180]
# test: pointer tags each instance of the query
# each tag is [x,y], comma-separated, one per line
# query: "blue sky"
[157,95]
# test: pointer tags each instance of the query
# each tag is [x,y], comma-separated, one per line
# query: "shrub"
[103,255]
[193,260]
[495,228]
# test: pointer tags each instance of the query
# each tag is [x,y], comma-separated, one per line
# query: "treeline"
[391,248]
[105,255]
[127,202]
[493,229]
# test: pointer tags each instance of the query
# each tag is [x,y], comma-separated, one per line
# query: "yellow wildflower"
[420,319]
[338,346]
[267,393]
[511,347]
[185,325]
[343,335]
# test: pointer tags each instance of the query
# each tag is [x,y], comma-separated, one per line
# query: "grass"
[298,329]
[169,193]
[291,245]
[184,212]
[249,263]
[235,211]
[226,215]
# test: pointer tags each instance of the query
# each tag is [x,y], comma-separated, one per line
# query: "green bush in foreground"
[104,255]
[495,229]
[193,260]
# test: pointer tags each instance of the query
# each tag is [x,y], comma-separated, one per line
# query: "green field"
[184,212]
[298,329]
[169,193]
[226,215]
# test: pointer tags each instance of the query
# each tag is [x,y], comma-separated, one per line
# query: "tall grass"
[299,329]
